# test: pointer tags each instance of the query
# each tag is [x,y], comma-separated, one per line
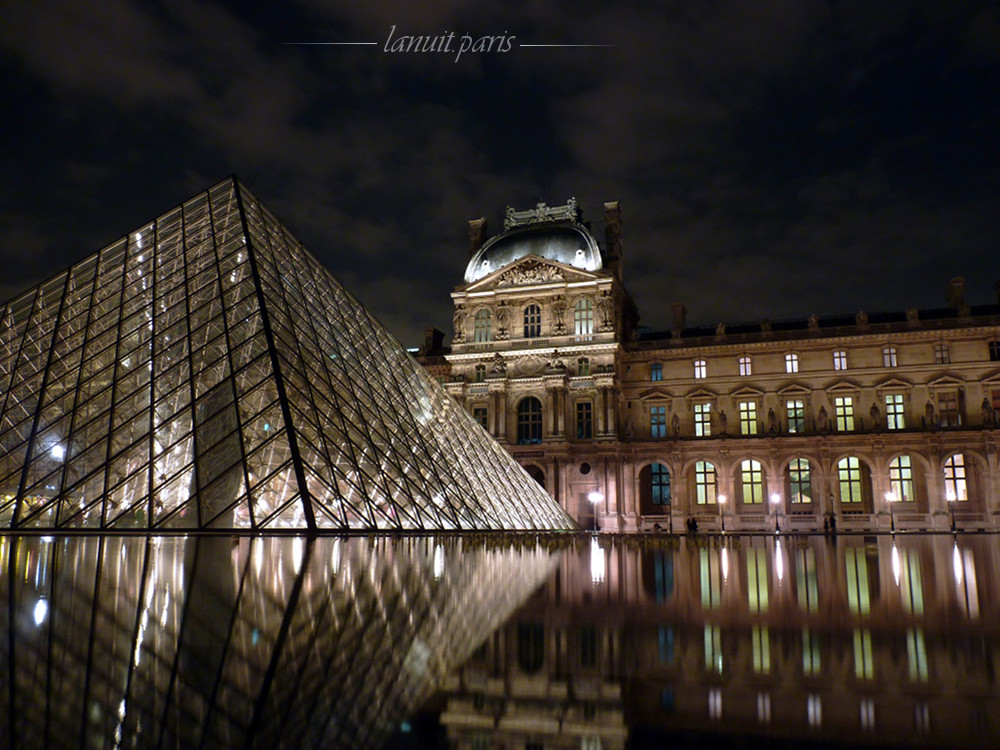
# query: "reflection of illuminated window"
[954,478]
[849,477]
[811,664]
[711,589]
[713,651]
[715,703]
[806,580]
[757,579]
[799,481]
[864,663]
[867,713]
[911,585]
[752,481]
[916,654]
[856,568]
[761,649]
[704,483]
[663,575]
[966,585]
[814,710]
[666,642]
[901,479]
[764,708]
[922,717]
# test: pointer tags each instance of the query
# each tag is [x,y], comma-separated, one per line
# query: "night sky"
[773,159]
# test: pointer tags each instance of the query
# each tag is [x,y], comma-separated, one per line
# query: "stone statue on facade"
[822,420]
[675,424]
[814,322]
[606,311]
[989,414]
[503,320]
[772,422]
[498,367]
[861,319]
[723,422]
[912,317]
[930,418]
[629,427]
[559,315]
[459,321]
[876,415]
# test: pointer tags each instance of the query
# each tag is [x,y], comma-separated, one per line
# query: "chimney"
[433,341]
[955,293]
[680,313]
[477,233]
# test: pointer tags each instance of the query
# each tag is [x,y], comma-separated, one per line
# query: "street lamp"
[595,498]
[951,498]
[775,501]
[890,497]
[722,514]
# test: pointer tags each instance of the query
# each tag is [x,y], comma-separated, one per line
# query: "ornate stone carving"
[503,321]
[542,212]
[814,322]
[498,366]
[559,315]
[861,320]
[606,311]
[459,322]
[530,273]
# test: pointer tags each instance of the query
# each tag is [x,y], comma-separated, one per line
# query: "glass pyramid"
[207,372]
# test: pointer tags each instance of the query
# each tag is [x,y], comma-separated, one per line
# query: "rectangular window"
[584,420]
[995,351]
[889,358]
[700,369]
[843,407]
[894,418]
[746,366]
[702,420]
[482,415]
[583,366]
[948,414]
[849,479]
[480,373]
[799,481]
[656,371]
[840,360]
[658,421]
[795,410]
[704,483]
[941,354]
[748,417]
[791,363]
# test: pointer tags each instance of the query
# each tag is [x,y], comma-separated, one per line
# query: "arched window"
[583,317]
[799,481]
[901,479]
[955,486]
[704,483]
[532,321]
[659,480]
[752,481]
[529,421]
[849,477]
[483,326]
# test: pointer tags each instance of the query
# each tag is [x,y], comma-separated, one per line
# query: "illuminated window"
[849,478]
[840,360]
[483,330]
[700,369]
[702,420]
[482,415]
[843,409]
[748,417]
[811,663]
[583,366]
[660,484]
[889,356]
[656,371]
[795,410]
[529,421]
[583,317]
[704,483]
[532,321]
[791,363]
[894,416]
[799,481]
[955,485]
[901,479]
[746,366]
[584,420]
[752,481]
[948,413]
[942,356]
[916,654]
[658,421]
[864,660]
[480,373]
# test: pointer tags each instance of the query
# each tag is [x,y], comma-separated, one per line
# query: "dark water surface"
[509,642]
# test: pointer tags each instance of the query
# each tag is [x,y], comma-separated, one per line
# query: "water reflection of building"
[878,420]
[855,641]
[253,642]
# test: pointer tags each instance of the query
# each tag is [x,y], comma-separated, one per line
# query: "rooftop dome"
[551,233]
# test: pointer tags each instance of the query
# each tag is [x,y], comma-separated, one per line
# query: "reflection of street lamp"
[596,498]
[722,514]
[890,497]
[951,498]
[775,501]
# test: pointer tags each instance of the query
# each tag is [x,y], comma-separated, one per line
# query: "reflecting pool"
[516,642]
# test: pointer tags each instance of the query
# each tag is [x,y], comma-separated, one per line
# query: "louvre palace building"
[877,422]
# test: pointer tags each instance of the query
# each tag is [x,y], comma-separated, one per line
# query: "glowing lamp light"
[775,498]
[595,498]
[41,611]
[890,497]
[950,496]
[722,499]
[57,452]
[896,566]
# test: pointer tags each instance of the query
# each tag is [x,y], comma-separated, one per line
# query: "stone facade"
[866,421]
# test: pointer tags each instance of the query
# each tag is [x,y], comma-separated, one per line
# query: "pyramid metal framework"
[207,372]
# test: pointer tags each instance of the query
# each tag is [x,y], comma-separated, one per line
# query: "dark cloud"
[773,159]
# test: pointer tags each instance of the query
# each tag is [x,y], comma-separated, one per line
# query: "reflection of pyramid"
[207,372]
